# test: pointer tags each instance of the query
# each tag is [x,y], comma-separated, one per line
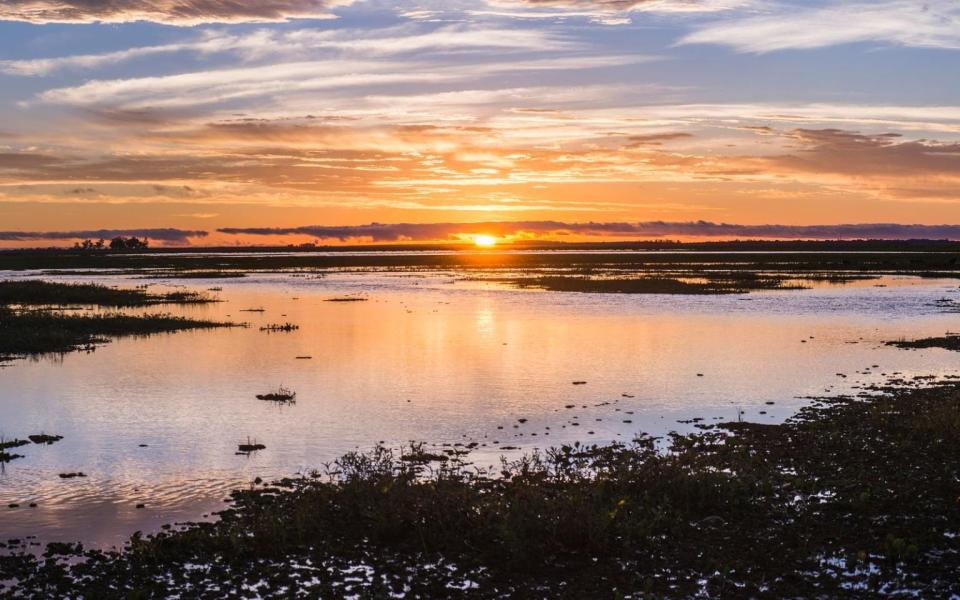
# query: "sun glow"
[484,241]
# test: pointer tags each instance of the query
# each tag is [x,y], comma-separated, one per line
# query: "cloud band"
[380,232]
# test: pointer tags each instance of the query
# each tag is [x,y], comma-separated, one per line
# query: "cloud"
[168,235]
[379,232]
[626,5]
[169,12]
[912,23]
[603,11]
[189,90]
[884,154]
[264,43]
[656,139]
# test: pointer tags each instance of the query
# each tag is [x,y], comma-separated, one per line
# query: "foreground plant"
[853,497]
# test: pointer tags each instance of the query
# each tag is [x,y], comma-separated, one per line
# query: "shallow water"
[426,357]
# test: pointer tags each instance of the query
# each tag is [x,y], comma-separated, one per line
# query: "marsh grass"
[175,274]
[31,331]
[25,333]
[852,497]
[45,293]
[5,445]
[281,395]
[739,283]
[280,327]
[947,342]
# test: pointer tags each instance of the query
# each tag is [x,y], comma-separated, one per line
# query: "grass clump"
[30,333]
[27,331]
[282,395]
[280,327]
[45,293]
[44,439]
[738,283]
[853,497]
[947,342]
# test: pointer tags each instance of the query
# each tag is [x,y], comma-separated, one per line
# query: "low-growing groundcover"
[35,292]
[29,331]
[851,498]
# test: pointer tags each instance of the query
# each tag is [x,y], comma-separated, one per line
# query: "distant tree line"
[117,243]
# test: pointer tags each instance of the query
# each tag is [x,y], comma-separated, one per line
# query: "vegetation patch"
[739,283]
[280,327]
[45,293]
[26,331]
[282,395]
[852,497]
[196,275]
[42,438]
[31,333]
[947,342]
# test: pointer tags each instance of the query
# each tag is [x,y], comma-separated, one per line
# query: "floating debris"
[6,457]
[45,439]
[347,299]
[579,383]
[281,395]
[72,475]
[250,446]
[12,444]
[287,327]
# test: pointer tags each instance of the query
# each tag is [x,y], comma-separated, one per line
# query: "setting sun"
[484,241]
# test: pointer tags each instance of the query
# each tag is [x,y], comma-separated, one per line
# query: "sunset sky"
[224,122]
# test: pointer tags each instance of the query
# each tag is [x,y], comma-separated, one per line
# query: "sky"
[343,121]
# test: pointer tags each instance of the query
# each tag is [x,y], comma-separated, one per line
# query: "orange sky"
[291,113]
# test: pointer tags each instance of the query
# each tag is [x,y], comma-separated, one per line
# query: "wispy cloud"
[606,12]
[927,24]
[229,85]
[265,43]
[170,12]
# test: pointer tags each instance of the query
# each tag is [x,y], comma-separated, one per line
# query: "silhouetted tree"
[89,244]
[130,243]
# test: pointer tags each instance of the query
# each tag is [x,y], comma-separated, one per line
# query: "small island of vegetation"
[32,322]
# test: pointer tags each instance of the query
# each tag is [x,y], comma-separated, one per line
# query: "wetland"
[479,424]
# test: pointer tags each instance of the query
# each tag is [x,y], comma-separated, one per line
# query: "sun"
[484,241]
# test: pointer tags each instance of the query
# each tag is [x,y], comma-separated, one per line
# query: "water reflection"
[156,421]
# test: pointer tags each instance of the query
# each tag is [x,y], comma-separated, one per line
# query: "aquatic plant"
[852,497]
[280,327]
[43,438]
[30,333]
[250,446]
[35,293]
[281,395]
[947,342]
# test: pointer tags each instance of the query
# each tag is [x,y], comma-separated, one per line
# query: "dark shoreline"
[864,245]
[607,271]
[851,497]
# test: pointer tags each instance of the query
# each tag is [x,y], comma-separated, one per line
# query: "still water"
[156,421]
